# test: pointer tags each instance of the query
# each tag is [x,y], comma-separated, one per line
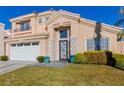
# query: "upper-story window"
[63,34]
[24,26]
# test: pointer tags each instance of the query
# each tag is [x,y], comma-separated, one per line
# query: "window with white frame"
[24,26]
[90,44]
[98,44]
[104,43]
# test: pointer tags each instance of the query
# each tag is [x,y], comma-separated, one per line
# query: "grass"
[69,75]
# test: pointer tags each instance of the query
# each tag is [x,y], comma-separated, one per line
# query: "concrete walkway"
[12,65]
[51,64]
[48,64]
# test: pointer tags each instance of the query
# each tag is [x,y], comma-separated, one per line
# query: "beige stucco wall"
[16,25]
[86,31]
[121,47]
[61,21]
[82,32]
[36,28]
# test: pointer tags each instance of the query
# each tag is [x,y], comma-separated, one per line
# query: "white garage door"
[25,51]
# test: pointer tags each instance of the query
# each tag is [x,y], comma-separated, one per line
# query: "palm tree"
[121,11]
[119,23]
[120,35]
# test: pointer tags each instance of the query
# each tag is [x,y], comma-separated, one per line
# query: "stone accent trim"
[51,49]
[73,45]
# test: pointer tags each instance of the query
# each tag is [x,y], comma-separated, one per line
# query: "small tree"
[120,23]
[120,35]
[121,11]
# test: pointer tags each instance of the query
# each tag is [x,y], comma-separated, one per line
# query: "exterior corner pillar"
[73,45]
[51,49]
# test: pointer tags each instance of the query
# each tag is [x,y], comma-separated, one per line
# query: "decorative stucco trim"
[105,27]
[46,13]
[62,25]
[62,14]
[30,35]
[20,32]
[23,17]
[24,38]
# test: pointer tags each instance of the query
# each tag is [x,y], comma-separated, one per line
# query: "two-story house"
[58,34]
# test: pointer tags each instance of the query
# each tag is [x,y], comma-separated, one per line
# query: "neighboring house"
[1,38]
[58,34]
[3,34]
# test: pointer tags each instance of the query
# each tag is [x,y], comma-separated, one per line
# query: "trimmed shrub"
[79,58]
[40,59]
[111,61]
[0,57]
[4,58]
[119,60]
[96,57]
[100,57]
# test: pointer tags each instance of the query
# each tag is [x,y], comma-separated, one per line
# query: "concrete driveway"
[12,65]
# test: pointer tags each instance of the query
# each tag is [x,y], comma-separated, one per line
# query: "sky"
[104,14]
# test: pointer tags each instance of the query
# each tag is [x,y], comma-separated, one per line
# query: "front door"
[63,49]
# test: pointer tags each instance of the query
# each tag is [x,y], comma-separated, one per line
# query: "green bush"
[79,58]
[4,58]
[100,57]
[119,60]
[0,57]
[96,57]
[40,59]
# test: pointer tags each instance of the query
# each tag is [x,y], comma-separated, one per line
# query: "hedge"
[79,58]
[119,60]
[100,57]
[95,57]
[4,58]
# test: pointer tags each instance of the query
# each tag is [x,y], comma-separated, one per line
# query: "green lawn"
[69,75]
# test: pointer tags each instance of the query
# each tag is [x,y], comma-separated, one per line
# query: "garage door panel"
[26,53]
